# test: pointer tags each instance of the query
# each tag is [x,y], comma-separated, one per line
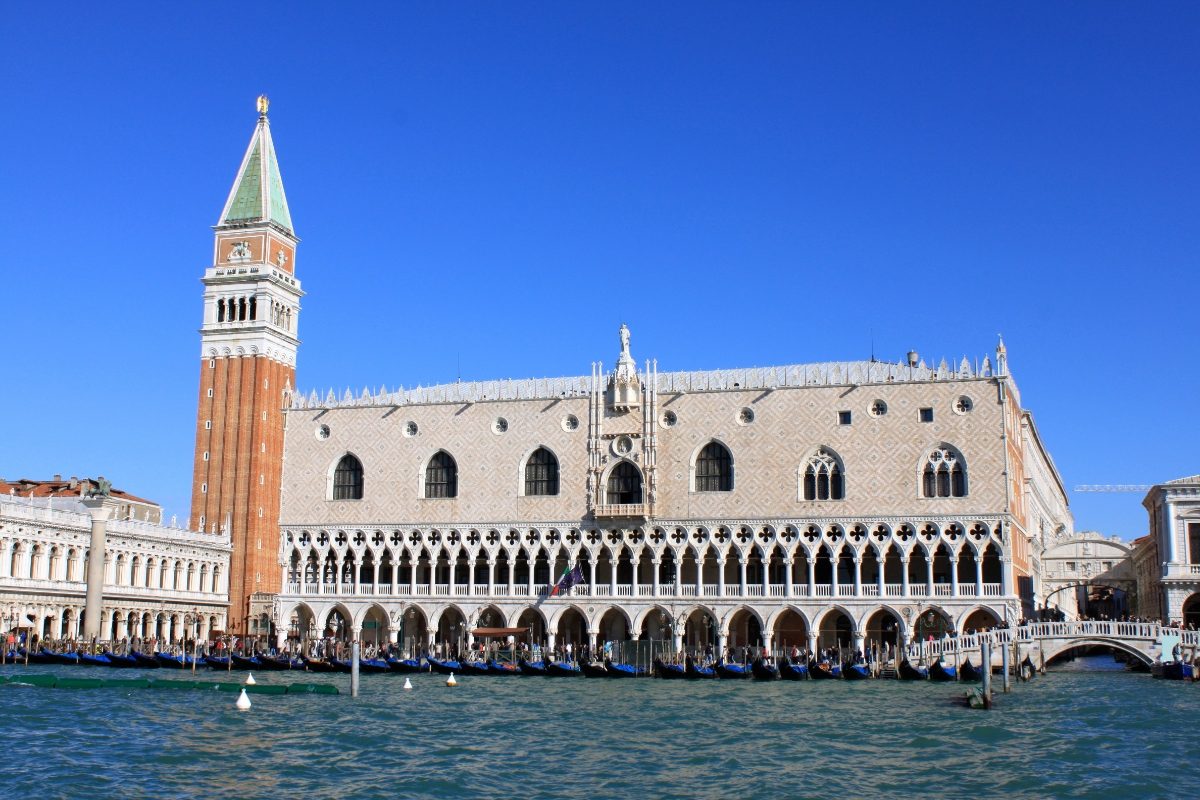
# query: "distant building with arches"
[1089,575]
[160,581]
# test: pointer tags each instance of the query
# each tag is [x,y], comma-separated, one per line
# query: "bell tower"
[248,346]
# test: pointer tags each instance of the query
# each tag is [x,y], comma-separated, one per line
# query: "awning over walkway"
[493,632]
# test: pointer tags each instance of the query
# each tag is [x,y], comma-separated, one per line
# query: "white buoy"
[250,679]
[407,683]
[450,681]
[243,702]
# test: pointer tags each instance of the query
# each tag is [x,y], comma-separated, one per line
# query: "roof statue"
[103,488]
[625,388]
[263,103]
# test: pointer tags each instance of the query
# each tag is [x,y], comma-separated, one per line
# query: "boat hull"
[969,672]
[670,672]
[594,670]
[406,665]
[444,667]
[616,670]
[856,672]
[559,669]
[735,672]
[793,672]
[940,672]
[764,671]
[532,667]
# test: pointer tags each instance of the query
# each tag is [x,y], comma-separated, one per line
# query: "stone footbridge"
[1042,641]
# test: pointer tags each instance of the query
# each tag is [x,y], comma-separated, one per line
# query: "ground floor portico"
[415,624]
[61,618]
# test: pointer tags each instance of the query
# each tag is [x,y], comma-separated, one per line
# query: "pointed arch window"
[824,478]
[945,474]
[441,476]
[348,479]
[624,484]
[541,474]
[714,469]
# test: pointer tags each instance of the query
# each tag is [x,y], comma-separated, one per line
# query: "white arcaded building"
[810,504]
[158,580]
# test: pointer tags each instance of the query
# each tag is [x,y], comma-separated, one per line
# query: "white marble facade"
[755,557]
[1174,509]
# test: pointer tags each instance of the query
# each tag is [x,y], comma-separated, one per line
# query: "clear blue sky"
[491,188]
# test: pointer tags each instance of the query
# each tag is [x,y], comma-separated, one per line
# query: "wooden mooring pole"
[354,668]
[986,656]
[1006,668]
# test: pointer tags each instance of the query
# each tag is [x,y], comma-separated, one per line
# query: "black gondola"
[276,664]
[669,672]
[764,670]
[502,668]
[475,668]
[145,660]
[532,667]
[444,666]
[1028,670]
[593,670]
[732,671]
[695,672]
[217,662]
[318,665]
[856,672]
[791,671]
[96,660]
[822,671]
[406,665]
[942,672]
[969,672]
[122,662]
[616,670]
[242,662]
[908,672]
[61,658]
[562,669]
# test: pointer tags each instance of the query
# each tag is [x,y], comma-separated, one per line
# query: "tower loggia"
[248,361]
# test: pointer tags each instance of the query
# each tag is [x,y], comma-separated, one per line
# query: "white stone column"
[879,578]
[812,576]
[678,576]
[722,642]
[1006,575]
[904,575]
[857,576]
[929,574]
[979,575]
[742,574]
[95,583]
[491,576]
[812,643]
[858,641]
[954,576]
[592,582]
[833,575]
[787,577]
[721,577]
[656,564]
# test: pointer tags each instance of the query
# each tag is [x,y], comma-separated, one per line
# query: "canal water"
[1076,732]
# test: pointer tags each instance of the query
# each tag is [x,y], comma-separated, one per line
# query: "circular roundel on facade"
[670,419]
[410,428]
[322,432]
[745,416]
[963,404]
[623,445]
[500,426]
[877,408]
[570,422]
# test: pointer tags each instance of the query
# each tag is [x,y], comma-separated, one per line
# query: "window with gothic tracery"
[348,479]
[824,478]
[945,474]
[714,469]
[441,476]
[541,474]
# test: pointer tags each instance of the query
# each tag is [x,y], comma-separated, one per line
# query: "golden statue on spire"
[263,102]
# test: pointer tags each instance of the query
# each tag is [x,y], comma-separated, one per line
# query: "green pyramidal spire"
[257,195]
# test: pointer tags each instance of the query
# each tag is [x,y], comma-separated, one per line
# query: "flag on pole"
[570,577]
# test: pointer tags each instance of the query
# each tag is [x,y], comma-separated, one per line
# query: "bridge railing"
[1084,629]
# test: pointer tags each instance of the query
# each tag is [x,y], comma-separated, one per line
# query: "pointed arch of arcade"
[327,612]
[491,616]
[937,625]
[640,619]
[605,626]
[965,619]
[557,616]
[829,611]
[365,613]
[435,617]
[780,613]
[539,619]
[751,610]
